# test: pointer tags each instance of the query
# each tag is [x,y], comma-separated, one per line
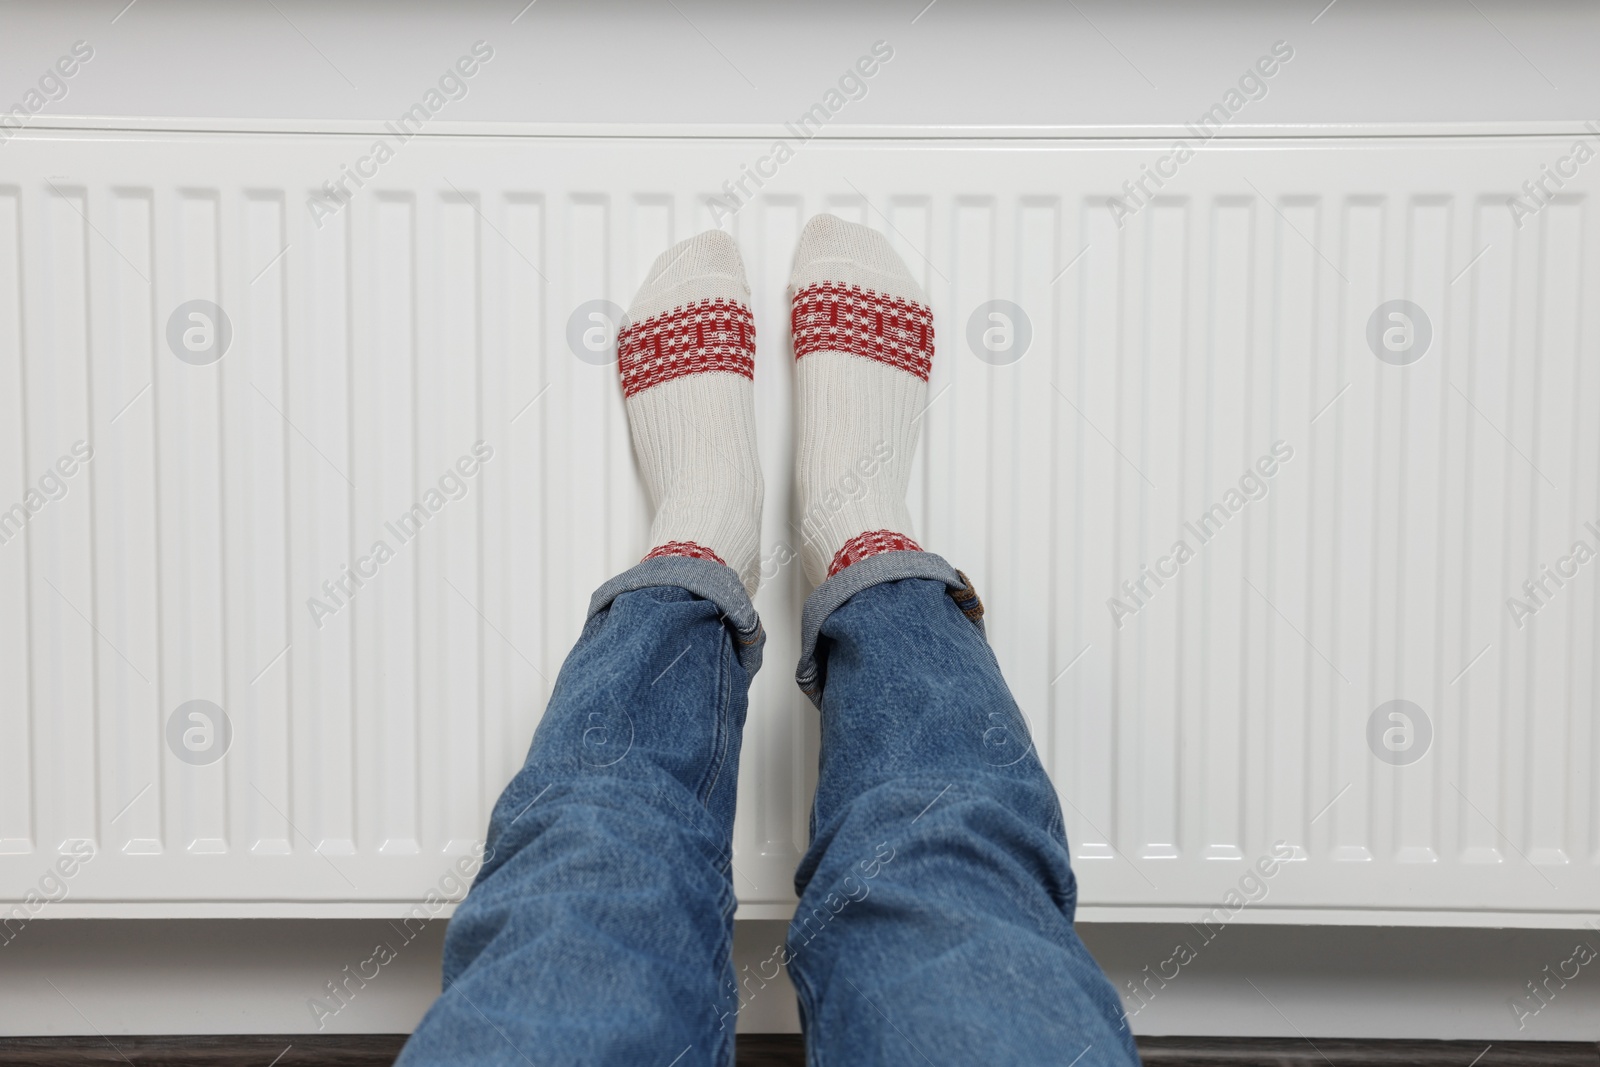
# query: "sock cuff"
[870,543]
[683,548]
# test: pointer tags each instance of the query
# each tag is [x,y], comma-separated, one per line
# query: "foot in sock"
[687,358]
[863,347]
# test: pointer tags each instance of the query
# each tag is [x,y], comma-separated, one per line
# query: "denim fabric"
[705,579]
[935,922]
[600,927]
[874,570]
[936,900]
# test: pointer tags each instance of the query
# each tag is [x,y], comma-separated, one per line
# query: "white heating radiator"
[1224,317]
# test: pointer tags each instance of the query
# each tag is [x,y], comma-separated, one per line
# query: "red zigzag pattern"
[835,317]
[716,334]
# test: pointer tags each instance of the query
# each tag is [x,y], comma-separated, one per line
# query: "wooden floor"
[786,1050]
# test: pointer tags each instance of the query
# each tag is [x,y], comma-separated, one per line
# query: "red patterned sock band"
[707,335]
[683,548]
[834,317]
[870,543]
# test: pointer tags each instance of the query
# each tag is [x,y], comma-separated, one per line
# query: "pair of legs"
[936,899]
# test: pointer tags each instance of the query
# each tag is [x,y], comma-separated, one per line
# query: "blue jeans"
[936,899]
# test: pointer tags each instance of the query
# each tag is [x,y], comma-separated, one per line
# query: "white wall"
[1093,63]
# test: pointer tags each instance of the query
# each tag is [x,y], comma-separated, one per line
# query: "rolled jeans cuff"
[704,578]
[831,595]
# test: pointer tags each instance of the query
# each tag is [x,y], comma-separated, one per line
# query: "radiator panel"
[1170,350]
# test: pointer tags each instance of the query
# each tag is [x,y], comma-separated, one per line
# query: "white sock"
[863,346]
[687,358]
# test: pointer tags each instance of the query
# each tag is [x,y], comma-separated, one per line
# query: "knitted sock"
[863,346]
[687,358]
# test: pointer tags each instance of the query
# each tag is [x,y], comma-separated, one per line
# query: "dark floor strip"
[1348,1052]
[786,1050]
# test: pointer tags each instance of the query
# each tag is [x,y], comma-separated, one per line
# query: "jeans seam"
[805,1000]
[722,729]
[725,1034]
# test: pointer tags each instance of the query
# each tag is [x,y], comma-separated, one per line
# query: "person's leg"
[936,899]
[600,927]
[936,907]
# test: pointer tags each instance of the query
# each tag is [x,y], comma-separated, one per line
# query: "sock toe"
[706,266]
[833,250]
